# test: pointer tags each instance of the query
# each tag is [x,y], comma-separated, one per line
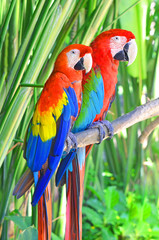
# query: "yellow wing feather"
[44,123]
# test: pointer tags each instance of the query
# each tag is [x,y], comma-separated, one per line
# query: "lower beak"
[128,53]
[79,65]
[85,63]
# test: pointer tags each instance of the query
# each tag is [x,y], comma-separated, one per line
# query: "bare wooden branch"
[11,149]
[143,139]
[141,113]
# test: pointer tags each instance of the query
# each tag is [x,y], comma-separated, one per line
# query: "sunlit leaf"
[30,233]
[111,197]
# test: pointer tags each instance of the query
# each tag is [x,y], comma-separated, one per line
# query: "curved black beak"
[79,65]
[123,54]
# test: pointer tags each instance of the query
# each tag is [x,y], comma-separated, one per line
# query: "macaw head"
[74,58]
[117,43]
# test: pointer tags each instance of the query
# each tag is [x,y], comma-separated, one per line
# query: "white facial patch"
[116,44]
[73,57]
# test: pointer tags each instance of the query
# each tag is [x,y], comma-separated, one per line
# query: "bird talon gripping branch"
[71,142]
[100,126]
[109,127]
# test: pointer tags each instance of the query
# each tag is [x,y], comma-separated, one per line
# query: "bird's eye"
[73,52]
[117,38]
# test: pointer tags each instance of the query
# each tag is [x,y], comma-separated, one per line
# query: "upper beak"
[128,53]
[85,63]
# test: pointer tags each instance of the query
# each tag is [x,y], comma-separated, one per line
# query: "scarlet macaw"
[99,85]
[54,115]
[109,48]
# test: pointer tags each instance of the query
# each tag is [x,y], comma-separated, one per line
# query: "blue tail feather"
[63,166]
[43,181]
[81,154]
[35,177]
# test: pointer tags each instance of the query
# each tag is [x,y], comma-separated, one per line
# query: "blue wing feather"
[42,152]
[53,160]
[31,150]
[93,96]
[37,152]
[56,150]
[74,108]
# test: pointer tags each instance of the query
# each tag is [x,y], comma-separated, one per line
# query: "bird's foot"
[100,125]
[71,142]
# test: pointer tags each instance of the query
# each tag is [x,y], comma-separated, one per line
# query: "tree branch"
[143,139]
[141,113]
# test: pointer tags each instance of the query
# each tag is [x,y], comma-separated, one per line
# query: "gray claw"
[71,141]
[109,128]
[100,125]
[100,129]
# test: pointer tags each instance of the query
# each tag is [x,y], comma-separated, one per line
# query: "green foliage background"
[121,183]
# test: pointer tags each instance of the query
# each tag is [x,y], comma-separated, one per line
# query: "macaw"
[53,118]
[98,89]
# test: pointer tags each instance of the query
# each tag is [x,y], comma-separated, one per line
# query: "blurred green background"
[121,199]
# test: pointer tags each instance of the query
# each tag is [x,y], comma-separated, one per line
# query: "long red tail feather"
[44,205]
[45,215]
[88,149]
[75,187]
[81,173]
